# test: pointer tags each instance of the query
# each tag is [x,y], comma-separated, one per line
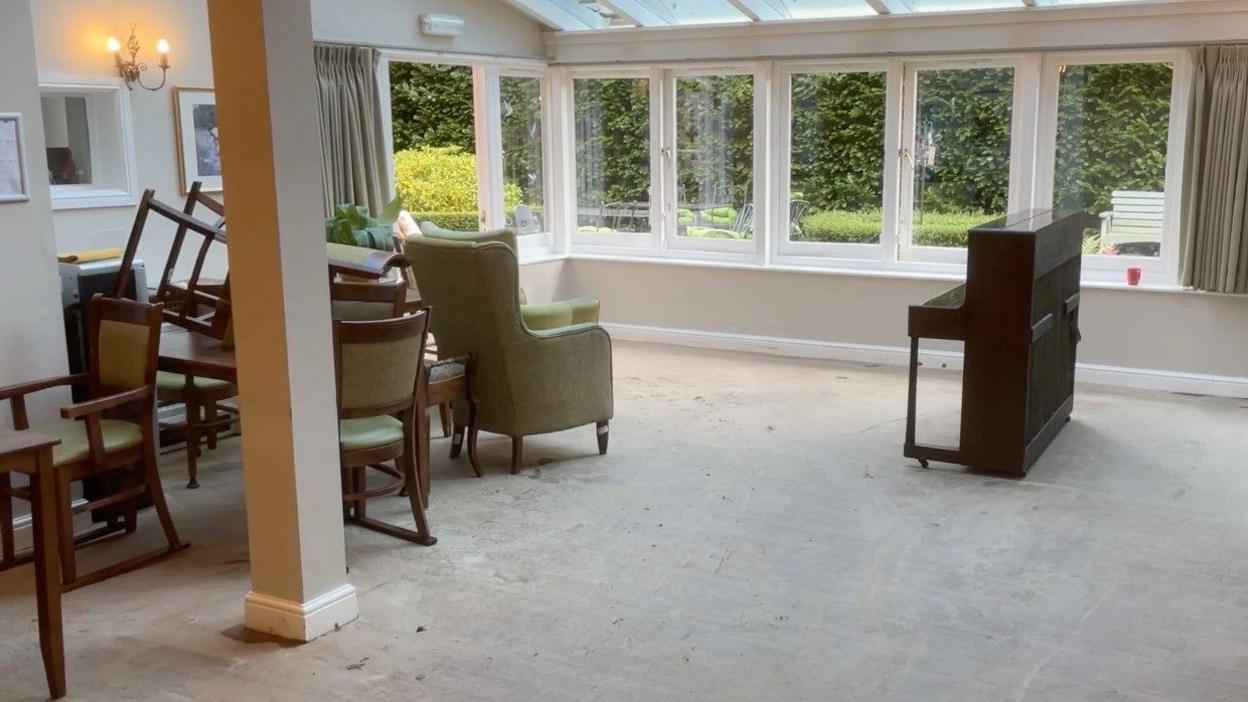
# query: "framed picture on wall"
[12,160]
[199,146]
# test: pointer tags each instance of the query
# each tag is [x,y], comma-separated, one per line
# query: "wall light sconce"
[132,71]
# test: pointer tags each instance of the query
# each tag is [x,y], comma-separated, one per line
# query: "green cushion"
[560,313]
[117,434]
[546,315]
[369,432]
[166,381]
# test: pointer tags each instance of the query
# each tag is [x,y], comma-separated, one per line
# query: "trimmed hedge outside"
[863,227]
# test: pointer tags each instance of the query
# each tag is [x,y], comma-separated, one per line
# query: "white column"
[271,159]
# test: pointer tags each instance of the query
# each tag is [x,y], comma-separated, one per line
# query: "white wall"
[69,43]
[1170,335]
[32,333]
[491,27]
[70,37]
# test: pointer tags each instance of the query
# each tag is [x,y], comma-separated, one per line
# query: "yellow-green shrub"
[441,179]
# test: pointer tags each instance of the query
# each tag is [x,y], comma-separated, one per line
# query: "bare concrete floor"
[753,534]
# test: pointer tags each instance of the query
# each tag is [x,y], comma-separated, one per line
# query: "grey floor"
[753,534]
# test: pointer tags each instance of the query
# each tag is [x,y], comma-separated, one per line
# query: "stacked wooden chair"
[196,304]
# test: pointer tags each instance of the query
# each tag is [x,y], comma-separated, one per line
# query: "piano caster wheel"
[192,484]
[923,462]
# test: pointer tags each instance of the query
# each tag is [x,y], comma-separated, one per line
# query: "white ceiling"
[587,15]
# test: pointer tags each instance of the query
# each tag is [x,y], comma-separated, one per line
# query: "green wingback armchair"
[525,381]
[537,315]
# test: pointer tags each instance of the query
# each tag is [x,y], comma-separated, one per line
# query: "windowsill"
[901,271]
[86,199]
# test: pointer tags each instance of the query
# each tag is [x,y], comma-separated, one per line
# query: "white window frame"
[1112,268]
[487,125]
[790,252]
[120,141]
[596,242]
[906,249]
[754,249]
[545,242]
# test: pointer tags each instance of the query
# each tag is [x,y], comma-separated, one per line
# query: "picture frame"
[199,146]
[14,185]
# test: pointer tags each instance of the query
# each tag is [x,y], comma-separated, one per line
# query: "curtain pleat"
[1215,210]
[351,131]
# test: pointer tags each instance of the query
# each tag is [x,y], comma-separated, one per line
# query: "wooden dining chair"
[109,435]
[442,381]
[378,367]
[196,303]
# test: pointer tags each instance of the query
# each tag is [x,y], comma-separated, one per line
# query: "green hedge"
[460,221]
[863,227]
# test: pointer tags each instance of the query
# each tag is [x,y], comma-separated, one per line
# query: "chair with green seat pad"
[443,381]
[108,436]
[525,381]
[541,315]
[204,400]
[377,366]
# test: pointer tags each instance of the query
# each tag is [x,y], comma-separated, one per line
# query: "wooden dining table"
[195,354]
[30,453]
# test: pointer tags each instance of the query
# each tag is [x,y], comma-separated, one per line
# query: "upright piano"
[1018,316]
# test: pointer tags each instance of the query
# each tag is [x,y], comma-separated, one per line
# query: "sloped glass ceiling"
[584,15]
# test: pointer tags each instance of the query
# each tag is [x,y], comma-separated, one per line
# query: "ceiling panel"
[960,5]
[700,11]
[819,9]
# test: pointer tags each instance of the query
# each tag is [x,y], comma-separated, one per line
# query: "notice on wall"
[12,162]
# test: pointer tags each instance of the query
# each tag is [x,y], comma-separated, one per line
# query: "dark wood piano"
[1018,314]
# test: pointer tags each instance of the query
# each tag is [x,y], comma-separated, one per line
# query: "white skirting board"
[301,621]
[1120,376]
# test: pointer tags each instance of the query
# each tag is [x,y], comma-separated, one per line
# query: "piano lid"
[1025,221]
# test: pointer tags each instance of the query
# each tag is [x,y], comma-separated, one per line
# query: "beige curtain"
[1215,211]
[351,132]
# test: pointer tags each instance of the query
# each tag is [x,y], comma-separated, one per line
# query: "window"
[958,157]
[835,148]
[612,128]
[87,145]
[524,183]
[1113,132]
[434,142]
[883,163]
[714,157]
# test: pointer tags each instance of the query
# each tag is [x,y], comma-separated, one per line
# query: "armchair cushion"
[546,315]
[117,434]
[369,432]
[539,316]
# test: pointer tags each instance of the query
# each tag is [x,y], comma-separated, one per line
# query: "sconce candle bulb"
[132,70]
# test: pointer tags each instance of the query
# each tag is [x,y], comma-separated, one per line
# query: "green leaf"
[341,233]
[390,212]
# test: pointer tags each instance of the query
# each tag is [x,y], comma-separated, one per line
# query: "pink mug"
[1133,275]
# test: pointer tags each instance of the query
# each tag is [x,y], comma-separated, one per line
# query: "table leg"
[44,513]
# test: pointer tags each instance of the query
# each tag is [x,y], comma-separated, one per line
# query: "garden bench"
[1135,217]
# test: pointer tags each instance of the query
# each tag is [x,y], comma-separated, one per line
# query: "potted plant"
[352,225]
